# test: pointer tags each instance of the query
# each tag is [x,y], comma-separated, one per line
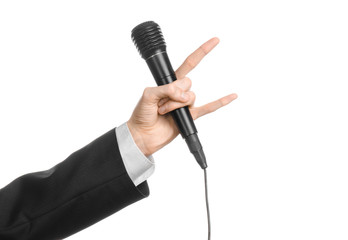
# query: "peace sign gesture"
[150,126]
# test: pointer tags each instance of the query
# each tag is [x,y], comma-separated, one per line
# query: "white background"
[277,155]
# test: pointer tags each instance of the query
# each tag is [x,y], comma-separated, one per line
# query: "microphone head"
[148,39]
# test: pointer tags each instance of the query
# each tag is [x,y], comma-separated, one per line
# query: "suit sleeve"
[91,184]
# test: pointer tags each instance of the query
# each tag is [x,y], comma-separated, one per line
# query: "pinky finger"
[212,106]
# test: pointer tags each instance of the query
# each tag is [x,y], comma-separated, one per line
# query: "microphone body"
[149,40]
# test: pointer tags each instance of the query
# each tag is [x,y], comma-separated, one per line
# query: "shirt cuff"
[138,166]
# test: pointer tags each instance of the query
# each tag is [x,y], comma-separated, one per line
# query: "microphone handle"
[163,73]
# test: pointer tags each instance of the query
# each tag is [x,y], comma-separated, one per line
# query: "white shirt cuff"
[138,166]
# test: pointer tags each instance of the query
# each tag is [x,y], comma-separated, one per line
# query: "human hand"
[150,126]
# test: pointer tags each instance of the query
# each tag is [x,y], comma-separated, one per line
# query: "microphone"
[150,43]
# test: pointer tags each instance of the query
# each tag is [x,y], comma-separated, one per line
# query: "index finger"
[192,61]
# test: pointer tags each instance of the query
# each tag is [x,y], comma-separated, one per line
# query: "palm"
[154,127]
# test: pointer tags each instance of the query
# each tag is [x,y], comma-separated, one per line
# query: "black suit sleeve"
[91,184]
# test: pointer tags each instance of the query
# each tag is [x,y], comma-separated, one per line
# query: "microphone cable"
[207,202]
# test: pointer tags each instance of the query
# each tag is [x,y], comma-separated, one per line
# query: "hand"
[150,126]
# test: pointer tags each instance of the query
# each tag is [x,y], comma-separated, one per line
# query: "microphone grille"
[148,38]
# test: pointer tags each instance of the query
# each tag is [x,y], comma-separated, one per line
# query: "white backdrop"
[277,155]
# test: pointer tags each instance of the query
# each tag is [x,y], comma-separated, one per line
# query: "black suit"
[89,185]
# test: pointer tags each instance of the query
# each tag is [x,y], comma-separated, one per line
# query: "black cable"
[207,202]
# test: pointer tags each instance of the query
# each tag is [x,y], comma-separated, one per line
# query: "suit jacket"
[91,184]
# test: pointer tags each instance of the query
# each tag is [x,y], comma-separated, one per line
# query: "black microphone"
[150,43]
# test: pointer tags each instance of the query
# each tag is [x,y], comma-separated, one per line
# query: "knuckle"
[190,63]
[189,82]
[204,50]
[193,96]
[178,94]
[147,93]
[171,90]
[222,103]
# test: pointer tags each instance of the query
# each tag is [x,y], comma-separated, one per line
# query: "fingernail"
[162,109]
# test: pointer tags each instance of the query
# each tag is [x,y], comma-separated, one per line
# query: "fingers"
[175,91]
[192,61]
[213,106]
[163,101]
[171,105]
[185,84]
